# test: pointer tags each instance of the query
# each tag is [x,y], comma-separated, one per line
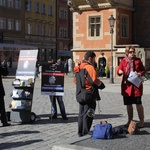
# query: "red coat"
[127,88]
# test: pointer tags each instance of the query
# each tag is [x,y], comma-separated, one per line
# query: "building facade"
[141,30]
[12,26]
[40,27]
[44,24]
[64,30]
[91,29]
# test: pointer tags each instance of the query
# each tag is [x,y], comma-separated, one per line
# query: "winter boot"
[130,114]
[140,111]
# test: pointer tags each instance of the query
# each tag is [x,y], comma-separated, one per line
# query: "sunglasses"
[131,52]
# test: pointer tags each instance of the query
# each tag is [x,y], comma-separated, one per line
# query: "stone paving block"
[46,133]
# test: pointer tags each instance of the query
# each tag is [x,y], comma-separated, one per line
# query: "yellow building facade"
[40,27]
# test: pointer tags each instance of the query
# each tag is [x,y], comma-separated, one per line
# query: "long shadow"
[2,135]
[45,118]
[11,145]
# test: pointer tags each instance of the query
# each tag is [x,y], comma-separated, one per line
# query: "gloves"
[101,86]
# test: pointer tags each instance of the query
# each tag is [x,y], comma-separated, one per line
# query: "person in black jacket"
[2,103]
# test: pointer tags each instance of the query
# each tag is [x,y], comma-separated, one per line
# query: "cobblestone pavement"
[45,133]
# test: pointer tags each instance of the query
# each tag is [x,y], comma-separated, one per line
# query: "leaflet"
[135,79]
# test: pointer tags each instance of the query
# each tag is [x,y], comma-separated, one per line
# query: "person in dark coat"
[2,103]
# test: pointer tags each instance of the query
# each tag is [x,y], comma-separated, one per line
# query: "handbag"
[132,127]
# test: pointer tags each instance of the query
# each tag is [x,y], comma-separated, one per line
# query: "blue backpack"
[102,131]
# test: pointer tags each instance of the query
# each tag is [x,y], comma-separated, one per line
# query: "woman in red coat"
[131,94]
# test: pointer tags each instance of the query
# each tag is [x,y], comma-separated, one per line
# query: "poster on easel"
[52,82]
[27,64]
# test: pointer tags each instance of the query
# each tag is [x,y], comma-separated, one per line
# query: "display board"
[27,64]
[52,82]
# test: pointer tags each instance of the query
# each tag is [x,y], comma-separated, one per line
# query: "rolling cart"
[22,94]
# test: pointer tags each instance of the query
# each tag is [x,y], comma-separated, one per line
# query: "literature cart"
[23,84]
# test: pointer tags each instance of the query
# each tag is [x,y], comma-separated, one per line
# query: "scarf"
[129,66]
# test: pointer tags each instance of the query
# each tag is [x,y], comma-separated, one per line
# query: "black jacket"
[2,92]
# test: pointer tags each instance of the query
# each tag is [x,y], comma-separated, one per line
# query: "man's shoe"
[65,118]
[53,117]
[6,124]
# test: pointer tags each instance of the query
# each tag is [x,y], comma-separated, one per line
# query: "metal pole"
[111,65]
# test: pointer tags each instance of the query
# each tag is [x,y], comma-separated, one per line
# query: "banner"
[52,80]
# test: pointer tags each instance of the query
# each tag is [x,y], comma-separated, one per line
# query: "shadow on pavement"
[17,133]
[106,116]
[11,145]
[45,118]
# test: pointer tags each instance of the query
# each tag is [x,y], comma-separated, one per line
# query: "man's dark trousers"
[2,110]
[84,121]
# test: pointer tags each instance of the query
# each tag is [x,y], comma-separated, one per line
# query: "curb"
[72,147]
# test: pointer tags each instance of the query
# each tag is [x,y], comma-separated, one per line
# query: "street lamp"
[111,23]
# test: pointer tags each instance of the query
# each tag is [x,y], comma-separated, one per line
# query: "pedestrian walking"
[131,94]
[2,103]
[85,121]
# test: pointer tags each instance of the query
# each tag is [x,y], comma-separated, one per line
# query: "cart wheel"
[33,117]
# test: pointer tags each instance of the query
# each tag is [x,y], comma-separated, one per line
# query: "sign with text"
[27,64]
[52,80]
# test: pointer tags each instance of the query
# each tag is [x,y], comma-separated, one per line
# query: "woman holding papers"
[132,93]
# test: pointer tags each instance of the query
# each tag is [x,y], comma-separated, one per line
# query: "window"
[124,26]
[29,6]
[10,3]
[29,28]
[94,26]
[65,15]
[62,13]
[37,7]
[51,31]
[2,23]
[18,4]
[44,30]
[18,25]
[2,2]
[60,33]
[63,33]
[38,29]
[50,11]
[10,24]
[43,8]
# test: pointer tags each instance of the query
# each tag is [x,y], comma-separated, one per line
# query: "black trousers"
[84,121]
[2,110]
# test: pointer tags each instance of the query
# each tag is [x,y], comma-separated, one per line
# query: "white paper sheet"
[135,79]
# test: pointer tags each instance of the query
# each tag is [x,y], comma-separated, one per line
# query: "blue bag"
[102,131]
